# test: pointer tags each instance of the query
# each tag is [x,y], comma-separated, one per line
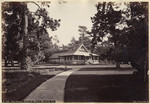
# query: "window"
[82,57]
[96,58]
[87,58]
[76,57]
[92,57]
[70,57]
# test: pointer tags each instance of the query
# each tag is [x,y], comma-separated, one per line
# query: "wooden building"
[77,55]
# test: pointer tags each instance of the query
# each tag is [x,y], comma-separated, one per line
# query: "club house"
[78,55]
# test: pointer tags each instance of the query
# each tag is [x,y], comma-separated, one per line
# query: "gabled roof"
[74,48]
[82,45]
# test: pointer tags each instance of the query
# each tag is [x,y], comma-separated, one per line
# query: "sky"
[73,13]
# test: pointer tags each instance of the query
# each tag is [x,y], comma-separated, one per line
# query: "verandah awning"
[79,54]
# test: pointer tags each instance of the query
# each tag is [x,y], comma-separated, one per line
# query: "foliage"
[12,29]
[130,41]
[137,36]
[83,38]
[36,41]
[104,50]
[104,23]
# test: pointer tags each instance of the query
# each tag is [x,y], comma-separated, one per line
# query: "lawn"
[17,85]
[105,88]
[107,69]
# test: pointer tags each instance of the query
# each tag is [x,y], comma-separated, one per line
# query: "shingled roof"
[56,55]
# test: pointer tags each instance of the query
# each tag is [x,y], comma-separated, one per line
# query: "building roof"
[79,49]
[56,55]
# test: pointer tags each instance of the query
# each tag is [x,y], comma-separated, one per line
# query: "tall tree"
[104,22]
[13,17]
[28,30]
[83,31]
[137,37]
[131,42]
[85,37]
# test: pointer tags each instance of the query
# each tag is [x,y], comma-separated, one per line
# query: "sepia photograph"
[75,51]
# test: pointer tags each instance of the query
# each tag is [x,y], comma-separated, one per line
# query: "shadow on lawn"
[23,84]
[106,68]
[105,88]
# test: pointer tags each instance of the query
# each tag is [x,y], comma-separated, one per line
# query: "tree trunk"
[117,64]
[6,64]
[146,68]
[142,69]
[116,54]
[25,63]
[12,63]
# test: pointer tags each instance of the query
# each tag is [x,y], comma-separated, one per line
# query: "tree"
[25,31]
[104,22]
[82,30]
[105,50]
[73,40]
[137,37]
[71,45]
[74,43]
[131,42]
[12,30]
[85,37]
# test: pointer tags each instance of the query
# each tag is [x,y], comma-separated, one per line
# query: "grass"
[106,68]
[105,88]
[17,85]
[53,69]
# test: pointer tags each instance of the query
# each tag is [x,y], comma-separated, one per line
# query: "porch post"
[93,58]
[59,59]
